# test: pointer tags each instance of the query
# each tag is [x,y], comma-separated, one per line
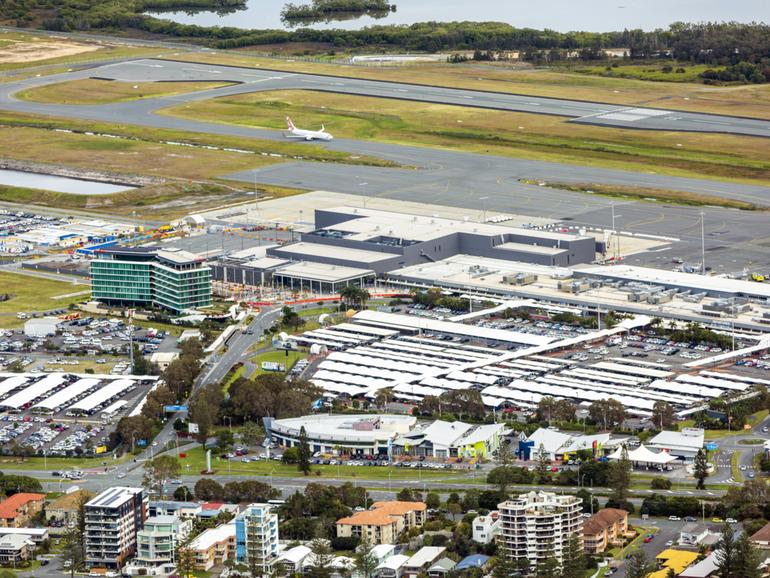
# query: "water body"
[561,15]
[58,184]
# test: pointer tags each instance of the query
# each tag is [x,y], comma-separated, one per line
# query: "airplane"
[295,132]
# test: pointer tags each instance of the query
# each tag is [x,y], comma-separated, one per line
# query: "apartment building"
[157,545]
[17,510]
[256,537]
[113,520]
[15,549]
[213,546]
[605,528]
[384,522]
[536,525]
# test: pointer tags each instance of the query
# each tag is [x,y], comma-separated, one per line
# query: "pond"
[58,184]
[561,15]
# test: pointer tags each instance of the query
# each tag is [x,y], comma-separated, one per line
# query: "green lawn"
[278,356]
[715,434]
[53,464]
[519,135]
[30,293]
[654,72]
[197,462]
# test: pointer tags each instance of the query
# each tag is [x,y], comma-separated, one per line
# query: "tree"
[638,566]
[543,465]
[209,490]
[620,477]
[504,567]
[747,557]
[183,494]
[160,471]
[364,561]
[701,469]
[727,555]
[662,415]
[185,557]
[303,461]
[609,413]
[251,433]
[323,556]
[433,501]
[573,559]
[547,565]
[73,543]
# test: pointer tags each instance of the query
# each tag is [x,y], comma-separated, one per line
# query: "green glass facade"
[143,279]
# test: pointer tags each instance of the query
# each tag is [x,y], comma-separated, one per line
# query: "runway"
[450,177]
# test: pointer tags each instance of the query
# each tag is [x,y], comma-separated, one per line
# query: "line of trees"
[714,43]
[320,9]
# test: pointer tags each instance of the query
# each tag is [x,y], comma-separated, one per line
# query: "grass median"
[101,91]
[520,135]
[747,100]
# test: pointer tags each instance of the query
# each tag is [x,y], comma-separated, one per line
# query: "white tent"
[643,455]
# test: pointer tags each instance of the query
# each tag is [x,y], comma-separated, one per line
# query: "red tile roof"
[9,508]
[602,520]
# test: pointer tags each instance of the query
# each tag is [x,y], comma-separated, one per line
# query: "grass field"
[656,72]
[30,293]
[278,357]
[657,195]
[98,91]
[63,464]
[518,135]
[749,100]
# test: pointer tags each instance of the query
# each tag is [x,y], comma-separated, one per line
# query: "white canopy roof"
[642,454]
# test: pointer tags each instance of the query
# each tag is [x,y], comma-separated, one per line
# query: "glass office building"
[175,280]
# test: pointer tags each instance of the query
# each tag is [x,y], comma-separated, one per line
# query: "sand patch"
[20,52]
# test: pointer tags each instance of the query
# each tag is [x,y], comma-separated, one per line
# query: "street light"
[363,191]
[483,209]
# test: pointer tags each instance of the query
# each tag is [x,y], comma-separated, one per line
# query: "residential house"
[291,561]
[474,561]
[692,534]
[213,546]
[423,559]
[15,549]
[605,528]
[761,538]
[18,510]
[64,509]
[706,568]
[441,568]
[486,528]
[676,560]
[185,510]
[37,535]
[393,567]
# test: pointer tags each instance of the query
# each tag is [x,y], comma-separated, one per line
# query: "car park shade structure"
[32,392]
[92,402]
[66,395]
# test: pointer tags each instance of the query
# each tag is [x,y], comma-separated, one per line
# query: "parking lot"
[64,414]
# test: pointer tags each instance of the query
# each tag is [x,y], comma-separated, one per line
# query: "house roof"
[394,562]
[10,506]
[445,565]
[702,569]
[693,528]
[294,555]
[669,559]
[69,501]
[399,508]
[424,555]
[368,518]
[762,535]
[551,440]
[14,541]
[602,520]
[472,561]
[212,536]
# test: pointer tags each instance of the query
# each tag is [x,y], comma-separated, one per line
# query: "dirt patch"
[20,52]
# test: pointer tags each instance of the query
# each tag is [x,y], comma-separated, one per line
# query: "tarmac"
[733,239]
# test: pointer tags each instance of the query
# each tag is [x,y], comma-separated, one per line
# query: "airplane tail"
[323,128]
[290,124]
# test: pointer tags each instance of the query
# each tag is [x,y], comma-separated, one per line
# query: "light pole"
[230,421]
[483,209]
[702,243]
[363,191]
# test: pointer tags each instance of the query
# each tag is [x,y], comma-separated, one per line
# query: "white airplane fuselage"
[294,132]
